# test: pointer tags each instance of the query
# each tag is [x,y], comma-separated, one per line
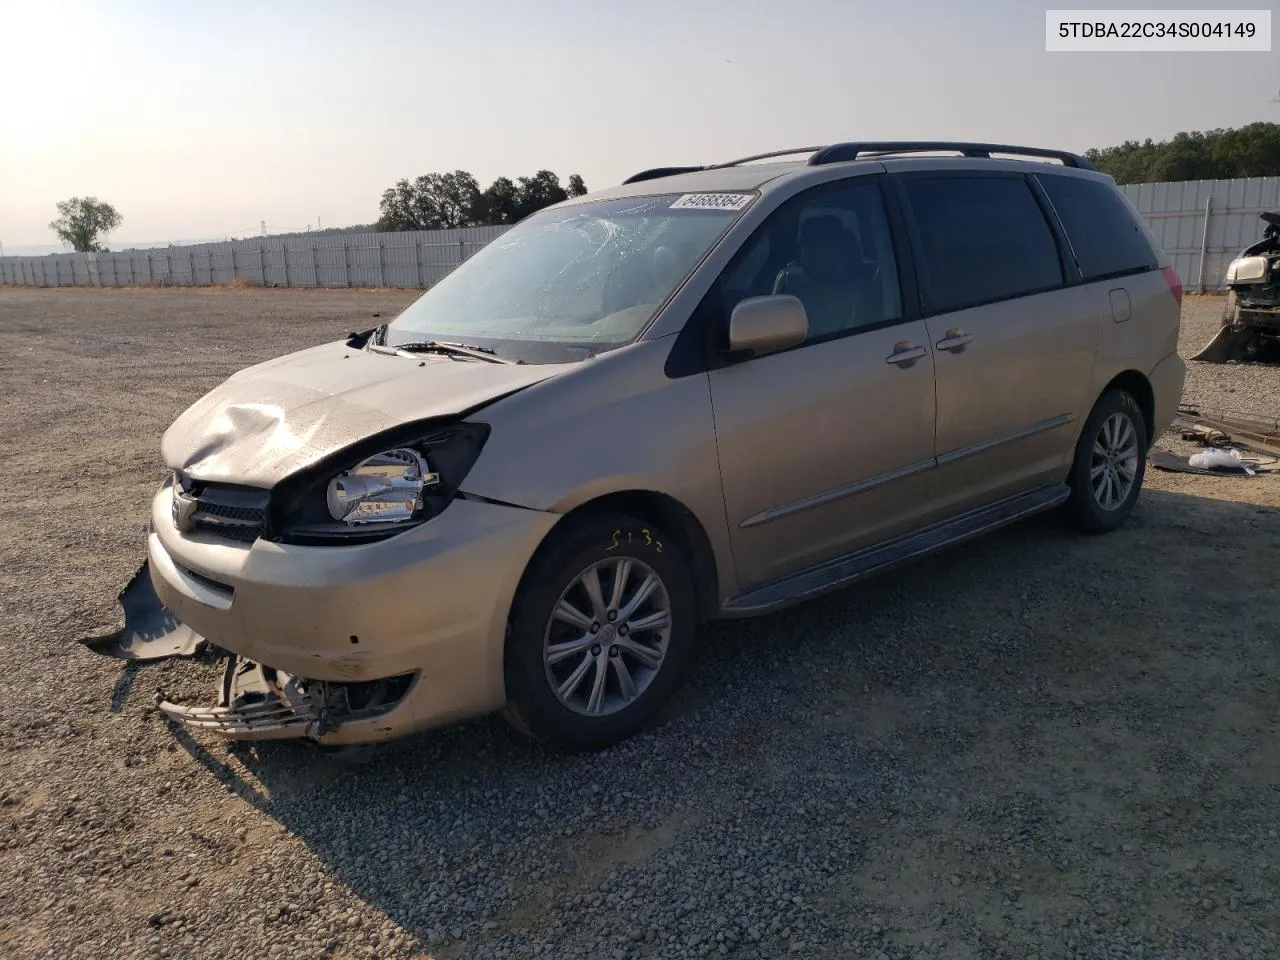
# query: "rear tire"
[1110,463]
[600,633]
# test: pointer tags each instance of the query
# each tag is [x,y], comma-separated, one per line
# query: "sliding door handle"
[955,340]
[904,354]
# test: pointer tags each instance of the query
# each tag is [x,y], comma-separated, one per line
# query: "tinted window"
[829,247]
[984,239]
[1107,238]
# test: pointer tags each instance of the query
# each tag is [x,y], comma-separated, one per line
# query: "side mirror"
[766,324]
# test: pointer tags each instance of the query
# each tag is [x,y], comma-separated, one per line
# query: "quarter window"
[1107,238]
[984,239]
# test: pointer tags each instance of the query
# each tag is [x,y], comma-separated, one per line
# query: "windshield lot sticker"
[712,201]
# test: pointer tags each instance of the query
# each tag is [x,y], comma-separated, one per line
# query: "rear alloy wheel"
[1113,465]
[600,633]
[1110,462]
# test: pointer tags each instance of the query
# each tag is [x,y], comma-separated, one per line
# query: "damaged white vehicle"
[709,392]
[1250,327]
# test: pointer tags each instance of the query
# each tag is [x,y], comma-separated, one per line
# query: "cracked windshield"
[569,283]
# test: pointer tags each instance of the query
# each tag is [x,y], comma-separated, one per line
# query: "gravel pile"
[1035,745]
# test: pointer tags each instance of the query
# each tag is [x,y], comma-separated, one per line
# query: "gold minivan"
[708,392]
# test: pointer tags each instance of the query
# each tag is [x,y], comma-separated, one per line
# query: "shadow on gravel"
[1070,711]
[124,686]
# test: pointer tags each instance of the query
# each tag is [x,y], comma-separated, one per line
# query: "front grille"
[232,513]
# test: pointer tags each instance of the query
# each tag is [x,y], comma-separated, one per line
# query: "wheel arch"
[1137,386]
[662,510]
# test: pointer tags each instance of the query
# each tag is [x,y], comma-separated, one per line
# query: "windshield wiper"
[442,347]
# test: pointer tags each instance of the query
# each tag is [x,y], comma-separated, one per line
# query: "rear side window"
[984,239]
[1106,237]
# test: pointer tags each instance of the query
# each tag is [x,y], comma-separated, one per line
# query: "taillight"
[1175,283]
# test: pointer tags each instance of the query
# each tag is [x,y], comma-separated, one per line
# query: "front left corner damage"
[151,631]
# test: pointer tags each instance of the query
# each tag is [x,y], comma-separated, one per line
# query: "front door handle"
[954,340]
[905,353]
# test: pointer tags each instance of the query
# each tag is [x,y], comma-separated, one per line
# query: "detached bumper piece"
[256,702]
[1228,344]
[150,631]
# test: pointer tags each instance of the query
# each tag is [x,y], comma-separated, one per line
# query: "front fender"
[617,423]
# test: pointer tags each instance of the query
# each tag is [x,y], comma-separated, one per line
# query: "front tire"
[600,633]
[1110,463]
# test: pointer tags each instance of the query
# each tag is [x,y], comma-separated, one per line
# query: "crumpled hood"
[270,420]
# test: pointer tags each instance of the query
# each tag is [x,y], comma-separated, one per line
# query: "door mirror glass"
[767,324]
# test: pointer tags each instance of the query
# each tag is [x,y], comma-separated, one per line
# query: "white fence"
[1201,224]
[416,259]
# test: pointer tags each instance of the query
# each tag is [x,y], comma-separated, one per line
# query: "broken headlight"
[380,488]
[385,488]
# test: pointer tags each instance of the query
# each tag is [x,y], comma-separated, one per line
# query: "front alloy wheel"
[607,636]
[600,632]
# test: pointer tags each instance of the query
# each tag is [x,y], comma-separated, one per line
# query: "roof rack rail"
[657,172]
[841,152]
[765,156]
[866,150]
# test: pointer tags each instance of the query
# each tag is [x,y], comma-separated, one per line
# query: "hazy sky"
[200,119]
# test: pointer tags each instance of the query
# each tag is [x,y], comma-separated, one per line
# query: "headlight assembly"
[379,488]
[385,488]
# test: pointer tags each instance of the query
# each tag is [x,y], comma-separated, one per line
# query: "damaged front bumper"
[255,701]
[258,702]
[1261,315]
[378,640]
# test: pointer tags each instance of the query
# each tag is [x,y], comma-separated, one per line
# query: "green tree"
[435,201]
[541,190]
[439,201]
[1249,151]
[82,220]
[500,203]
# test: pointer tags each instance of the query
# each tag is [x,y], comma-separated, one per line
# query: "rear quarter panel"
[1151,332]
[1149,336]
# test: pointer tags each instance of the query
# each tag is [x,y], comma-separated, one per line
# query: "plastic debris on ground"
[1217,457]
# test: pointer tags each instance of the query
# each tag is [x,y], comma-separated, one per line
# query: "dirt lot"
[1035,745]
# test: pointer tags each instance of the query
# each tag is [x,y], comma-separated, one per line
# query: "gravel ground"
[1249,387]
[1036,745]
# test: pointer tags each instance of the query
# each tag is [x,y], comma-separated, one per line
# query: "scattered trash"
[1172,462]
[1235,444]
[1246,431]
[1207,436]
[1217,458]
